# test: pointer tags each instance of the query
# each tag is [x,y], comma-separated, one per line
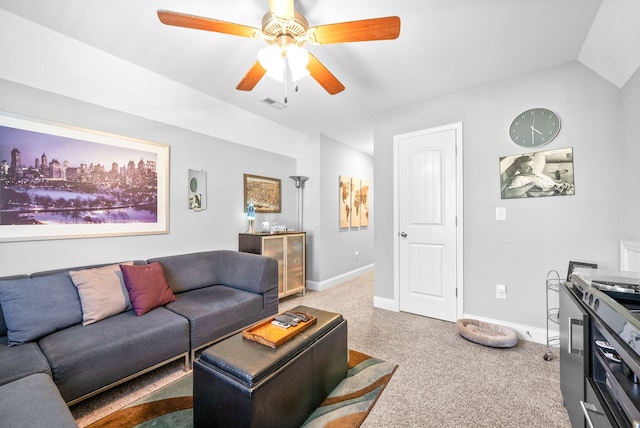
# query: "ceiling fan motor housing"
[274,28]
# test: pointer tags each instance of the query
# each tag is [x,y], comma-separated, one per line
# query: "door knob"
[403,234]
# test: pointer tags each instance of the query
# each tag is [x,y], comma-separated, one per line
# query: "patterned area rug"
[347,406]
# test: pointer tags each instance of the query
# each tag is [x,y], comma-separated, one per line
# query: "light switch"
[501,291]
[501,213]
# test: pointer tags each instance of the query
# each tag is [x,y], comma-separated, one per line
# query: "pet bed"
[487,334]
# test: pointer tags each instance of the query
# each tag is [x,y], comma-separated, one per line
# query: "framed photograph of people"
[548,173]
[60,182]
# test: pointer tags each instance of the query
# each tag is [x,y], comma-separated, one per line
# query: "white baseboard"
[525,332]
[328,283]
[385,303]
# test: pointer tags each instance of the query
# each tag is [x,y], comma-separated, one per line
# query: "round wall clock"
[534,127]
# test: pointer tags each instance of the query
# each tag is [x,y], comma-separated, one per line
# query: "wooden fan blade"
[323,76]
[251,79]
[208,24]
[359,31]
[281,8]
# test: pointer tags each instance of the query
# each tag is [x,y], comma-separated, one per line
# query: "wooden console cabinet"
[288,249]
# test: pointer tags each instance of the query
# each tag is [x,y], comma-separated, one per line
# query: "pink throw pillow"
[147,287]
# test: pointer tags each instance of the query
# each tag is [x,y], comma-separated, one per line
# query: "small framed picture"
[264,192]
[197,190]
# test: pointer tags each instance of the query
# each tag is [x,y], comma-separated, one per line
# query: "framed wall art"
[60,182]
[548,173]
[345,201]
[264,192]
[355,202]
[197,190]
[364,203]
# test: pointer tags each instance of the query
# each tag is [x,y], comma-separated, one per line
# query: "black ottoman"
[241,383]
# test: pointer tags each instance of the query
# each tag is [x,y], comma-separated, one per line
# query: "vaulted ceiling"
[444,47]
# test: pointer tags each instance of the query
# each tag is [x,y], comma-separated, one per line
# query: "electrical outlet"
[501,291]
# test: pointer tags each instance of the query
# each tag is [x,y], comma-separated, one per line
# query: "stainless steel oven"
[612,302]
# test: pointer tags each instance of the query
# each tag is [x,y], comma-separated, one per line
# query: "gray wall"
[539,234]
[331,250]
[629,170]
[215,228]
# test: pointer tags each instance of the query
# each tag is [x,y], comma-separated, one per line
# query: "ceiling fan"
[285,31]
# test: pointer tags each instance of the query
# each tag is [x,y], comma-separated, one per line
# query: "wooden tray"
[273,336]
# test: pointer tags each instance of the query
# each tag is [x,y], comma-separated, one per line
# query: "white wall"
[539,234]
[215,228]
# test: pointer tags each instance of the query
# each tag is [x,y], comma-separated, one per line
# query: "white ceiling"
[445,46]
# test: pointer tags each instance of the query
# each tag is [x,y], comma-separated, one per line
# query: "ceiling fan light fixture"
[297,58]
[274,59]
[287,29]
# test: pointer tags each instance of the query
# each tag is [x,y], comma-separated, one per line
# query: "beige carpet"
[442,380]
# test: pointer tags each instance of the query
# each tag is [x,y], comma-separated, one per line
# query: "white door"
[427,212]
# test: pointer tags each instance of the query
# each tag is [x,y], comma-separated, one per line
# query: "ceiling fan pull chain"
[286,61]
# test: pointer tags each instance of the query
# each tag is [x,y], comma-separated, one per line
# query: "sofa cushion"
[3,324]
[34,401]
[20,361]
[84,359]
[147,287]
[186,272]
[216,311]
[35,307]
[250,272]
[102,292]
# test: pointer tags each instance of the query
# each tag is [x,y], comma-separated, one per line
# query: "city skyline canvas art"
[64,182]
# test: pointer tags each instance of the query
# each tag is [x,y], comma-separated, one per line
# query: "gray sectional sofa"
[64,339]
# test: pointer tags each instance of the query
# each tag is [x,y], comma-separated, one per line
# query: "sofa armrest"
[250,272]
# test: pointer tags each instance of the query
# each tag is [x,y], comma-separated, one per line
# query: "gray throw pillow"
[36,307]
[102,292]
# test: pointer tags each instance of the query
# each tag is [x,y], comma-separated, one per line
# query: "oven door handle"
[588,407]
[572,350]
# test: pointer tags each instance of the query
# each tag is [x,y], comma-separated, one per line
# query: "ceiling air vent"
[273,103]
